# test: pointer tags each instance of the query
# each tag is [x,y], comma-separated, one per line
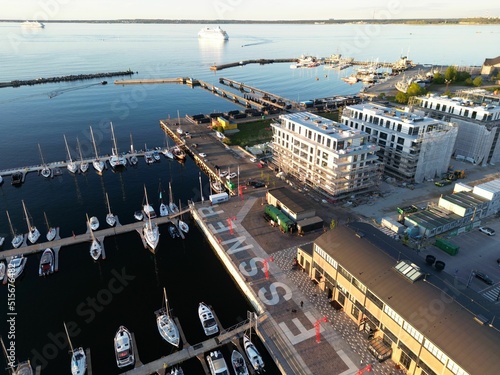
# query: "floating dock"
[246,62]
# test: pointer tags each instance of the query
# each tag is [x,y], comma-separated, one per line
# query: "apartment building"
[412,148]
[478,123]
[328,156]
[423,319]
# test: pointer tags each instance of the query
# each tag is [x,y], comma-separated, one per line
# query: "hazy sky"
[244,9]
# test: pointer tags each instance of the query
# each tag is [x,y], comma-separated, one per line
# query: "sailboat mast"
[67,149]
[170,192]
[131,144]
[46,220]
[115,149]
[27,218]
[147,206]
[93,142]
[79,148]
[41,155]
[69,340]
[10,224]
[107,201]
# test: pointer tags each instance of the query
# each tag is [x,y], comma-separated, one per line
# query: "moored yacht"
[150,229]
[33,233]
[213,33]
[116,160]
[253,355]
[78,357]
[3,270]
[183,226]
[45,172]
[238,363]
[166,324]
[207,319]
[178,153]
[97,163]
[46,263]
[110,218]
[16,266]
[217,363]
[124,348]
[95,246]
[84,166]
[17,239]
[51,231]
[72,166]
[94,223]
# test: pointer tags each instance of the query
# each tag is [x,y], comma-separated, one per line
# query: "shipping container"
[218,198]
[447,246]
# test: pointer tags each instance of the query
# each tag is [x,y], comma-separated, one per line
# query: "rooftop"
[371,258]
[293,201]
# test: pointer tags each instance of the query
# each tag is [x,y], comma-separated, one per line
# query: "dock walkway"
[86,237]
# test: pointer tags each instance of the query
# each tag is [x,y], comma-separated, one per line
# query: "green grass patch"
[252,133]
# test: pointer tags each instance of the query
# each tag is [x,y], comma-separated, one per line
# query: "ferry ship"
[213,33]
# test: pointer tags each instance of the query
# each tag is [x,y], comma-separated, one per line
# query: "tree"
[478,81]
[333,224]
[401,97]
[438,78]
[415,90]
[450,74]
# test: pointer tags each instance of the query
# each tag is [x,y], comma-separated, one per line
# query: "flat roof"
[491,186]
[292,200]
[465,199]
[391,113]
[371,258]
[323,125]
[432,218]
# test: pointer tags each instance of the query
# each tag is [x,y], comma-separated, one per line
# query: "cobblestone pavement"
[316,298]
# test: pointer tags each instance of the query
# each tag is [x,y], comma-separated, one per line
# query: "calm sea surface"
[188,269]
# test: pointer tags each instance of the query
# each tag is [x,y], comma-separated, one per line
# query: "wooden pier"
[86,237]
[216,67]
[197,350]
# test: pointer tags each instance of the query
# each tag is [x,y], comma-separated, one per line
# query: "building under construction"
[412,148]
[478,120]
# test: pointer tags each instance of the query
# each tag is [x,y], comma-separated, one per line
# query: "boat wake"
[264,41]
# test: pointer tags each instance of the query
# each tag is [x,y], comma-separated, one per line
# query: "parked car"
[484,278]
[253,160]
[489,231]
[223,173]
[203,155]
[231,175]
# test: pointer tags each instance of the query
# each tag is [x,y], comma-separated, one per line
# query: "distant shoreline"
[416,22]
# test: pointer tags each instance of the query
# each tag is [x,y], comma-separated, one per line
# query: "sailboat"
[95,247]
[171,205]
[84,166]
[45,172]
[22,368]
[17,239]
[163,206]
[150,229]
[78,358]
[166,150]
[166,324]
[110,218]
[183,225]
[98,164]
[133,158]
[72,166]
[51,231]
[33,233]
[116,161]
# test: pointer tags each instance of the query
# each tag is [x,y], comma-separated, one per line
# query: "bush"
[478,81]
[401,97]
[468,82]
[438,78]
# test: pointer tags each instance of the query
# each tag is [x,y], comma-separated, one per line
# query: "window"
[405,360]
[358,285]
[355,312]
[393,314]
[344,273]
[375,300]
[456,369]
[413,332]
[435,351]
[341,299]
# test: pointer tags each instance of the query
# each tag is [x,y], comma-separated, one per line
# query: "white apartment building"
[326,155]
[478,125]
[412,148]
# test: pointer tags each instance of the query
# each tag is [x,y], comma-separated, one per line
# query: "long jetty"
[246,62]
[69,78]
[87,237]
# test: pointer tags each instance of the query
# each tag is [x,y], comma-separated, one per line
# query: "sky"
[43,10]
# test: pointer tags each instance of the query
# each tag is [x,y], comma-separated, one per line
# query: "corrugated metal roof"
[425,304]
[293,201]
[465,199]
[491,186]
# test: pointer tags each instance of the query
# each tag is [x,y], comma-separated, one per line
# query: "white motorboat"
[207,319]
[163,209]
[150,229]
[78,357]
[2,239]
[156,155]
[183,226]
[97,163]
[3,270]
[124,348]
[116,160]
[45,172]
[139,215]
[217,363]
[238,363]
[217,187]
[167,153]
[95,246]
[176,371]
[72,166]
[17,239]
[16,266]
[110,218]
[51,231]
[166,324]
[172,230]
[213,33]
[33,233]
[84,166]
[253,355]
[46,263]
[94,223]
[32,25]
[148,156]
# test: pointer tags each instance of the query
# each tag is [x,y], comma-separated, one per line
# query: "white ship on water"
[213,33]
[33,25]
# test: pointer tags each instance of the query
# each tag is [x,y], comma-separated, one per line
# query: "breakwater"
[69,78]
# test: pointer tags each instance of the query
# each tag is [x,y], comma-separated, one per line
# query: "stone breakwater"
[69,78]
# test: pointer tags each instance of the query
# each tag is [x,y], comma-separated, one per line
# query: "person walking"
[301,303]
